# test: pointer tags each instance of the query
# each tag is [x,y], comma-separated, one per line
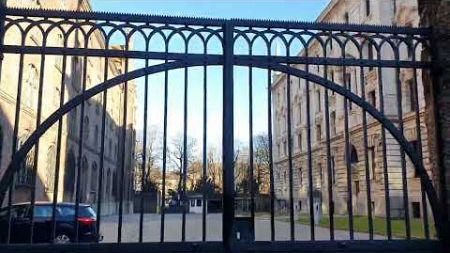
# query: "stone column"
[436,13]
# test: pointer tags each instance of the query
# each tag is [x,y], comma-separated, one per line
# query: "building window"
[346,17]
[332,79]
[86,128]
[367,7]
[415,206]
[56,97]
[318,132]
[108,183]
[300,177]
[415,145]
[372,98]
[348,85]
[412,96]
[29,91]
[299,142]
[25,172]
[50,169]
[84,179]
[353,155]
[299,113]
[193,203]
[333,123]
[199,202]
[96,136]
[320,175]
[94,177]
[319,103]
[299,205]
[372,165]
[357,189]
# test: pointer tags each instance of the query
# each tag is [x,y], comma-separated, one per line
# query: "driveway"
[130,229]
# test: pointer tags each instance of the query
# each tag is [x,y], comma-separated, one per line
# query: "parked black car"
[43,224]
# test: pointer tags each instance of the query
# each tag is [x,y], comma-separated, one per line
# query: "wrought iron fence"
[339,62]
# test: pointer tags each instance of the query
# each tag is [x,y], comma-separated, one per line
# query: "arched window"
[353,155]
[50,169]
[29,90]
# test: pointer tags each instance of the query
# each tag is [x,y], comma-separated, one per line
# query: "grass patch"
[361,224]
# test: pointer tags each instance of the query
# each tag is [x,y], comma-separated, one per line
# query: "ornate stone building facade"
[53,74]
[389,12]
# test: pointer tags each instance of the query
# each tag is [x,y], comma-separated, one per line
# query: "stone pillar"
[436,13]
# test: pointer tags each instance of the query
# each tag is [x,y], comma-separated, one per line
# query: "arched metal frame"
[227,33]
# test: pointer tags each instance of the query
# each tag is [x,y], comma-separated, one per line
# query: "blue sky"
[303,10]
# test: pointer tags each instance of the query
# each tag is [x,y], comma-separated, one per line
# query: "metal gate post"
[228,139]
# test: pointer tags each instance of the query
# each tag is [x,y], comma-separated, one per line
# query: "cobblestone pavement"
[130,229]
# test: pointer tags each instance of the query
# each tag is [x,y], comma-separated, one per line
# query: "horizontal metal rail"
[213,57]
[276,246]
[159,19]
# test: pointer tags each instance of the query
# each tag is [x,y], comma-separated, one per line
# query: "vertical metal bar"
[80,151]
[347,154]
[269,133]
[102,143]
[2,35]
[366,155]
[328,143]
[144,153]
[58,143]
[36,150]
[385,169]
[163,195]
[15,136]
[228,138]
[205,145]
[402,151]
[124,140]
[426,227]
[308,138]
[2,32]
[289,133]
[250,130]
[185,151]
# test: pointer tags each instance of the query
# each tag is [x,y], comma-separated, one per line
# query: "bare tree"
[194,174]
[215,167]
[177,153]
[152,151]
[262,162]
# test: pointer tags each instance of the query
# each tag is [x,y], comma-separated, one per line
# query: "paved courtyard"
[130,229]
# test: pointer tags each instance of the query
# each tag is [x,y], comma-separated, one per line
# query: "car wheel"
[62,238]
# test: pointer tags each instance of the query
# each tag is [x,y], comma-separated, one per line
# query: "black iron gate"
[368,50]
